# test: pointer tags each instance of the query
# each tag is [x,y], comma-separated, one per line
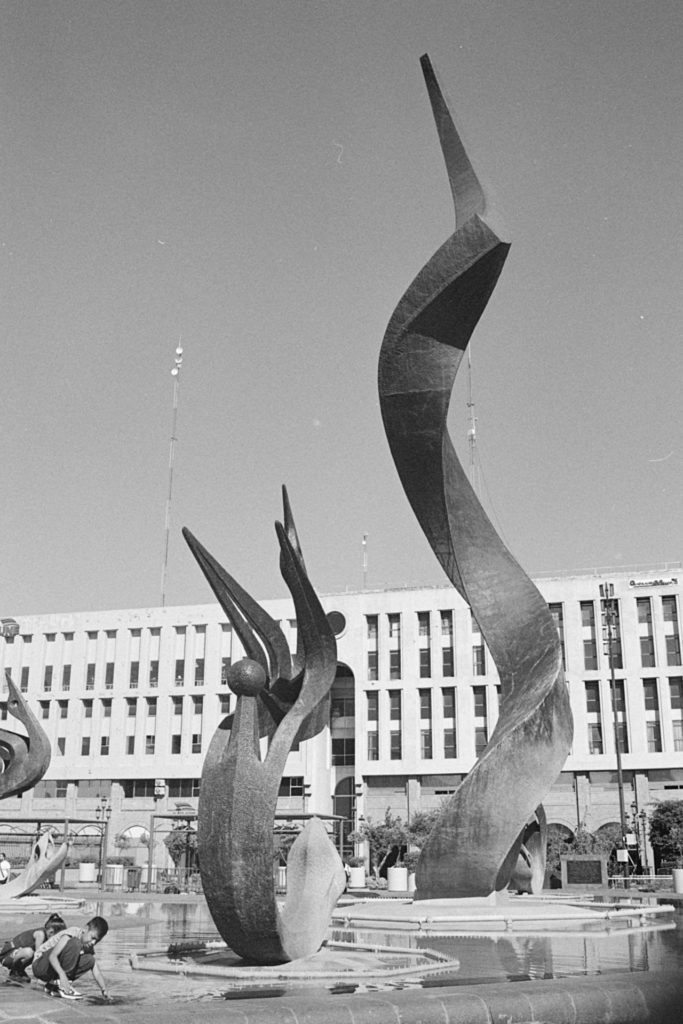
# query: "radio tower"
[175,373]
[474,467]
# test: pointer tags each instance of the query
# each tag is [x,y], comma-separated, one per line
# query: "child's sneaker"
[73,994]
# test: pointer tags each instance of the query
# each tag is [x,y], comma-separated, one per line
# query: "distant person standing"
[5,869]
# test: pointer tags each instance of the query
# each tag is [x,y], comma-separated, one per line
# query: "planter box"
[87,872]
[397,879]
[357,878]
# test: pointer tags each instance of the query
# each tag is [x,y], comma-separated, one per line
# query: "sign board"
[160,787]
[583,871]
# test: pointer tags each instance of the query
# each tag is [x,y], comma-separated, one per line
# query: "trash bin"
[113,876]
[134,877]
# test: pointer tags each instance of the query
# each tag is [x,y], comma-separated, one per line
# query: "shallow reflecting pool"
[186,927]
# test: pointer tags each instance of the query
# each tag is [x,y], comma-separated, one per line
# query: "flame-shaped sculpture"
[474,845]
[25,758]
[281,697]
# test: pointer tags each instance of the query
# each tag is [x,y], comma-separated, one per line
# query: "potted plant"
[356,872]
[383,837]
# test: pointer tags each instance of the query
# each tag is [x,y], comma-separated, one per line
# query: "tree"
[181,843]
[666,830]
[382,838]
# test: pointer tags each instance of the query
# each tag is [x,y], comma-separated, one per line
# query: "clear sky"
[262,178]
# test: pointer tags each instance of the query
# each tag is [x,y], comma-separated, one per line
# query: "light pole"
[609,605]
[103,814]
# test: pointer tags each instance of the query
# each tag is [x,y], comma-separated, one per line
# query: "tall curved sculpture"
[474,846]
[25,758]
[279,696]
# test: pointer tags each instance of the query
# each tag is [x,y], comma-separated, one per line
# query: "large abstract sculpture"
[24,759]
[280,697]
[474,847]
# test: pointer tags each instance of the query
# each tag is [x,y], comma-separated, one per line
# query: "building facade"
[130,700]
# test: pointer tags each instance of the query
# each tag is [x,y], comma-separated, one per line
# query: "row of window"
[651,706]
[50,682]
[89,789]
[590,639]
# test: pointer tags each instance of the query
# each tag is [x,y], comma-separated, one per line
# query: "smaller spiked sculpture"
[24,761]
[282,697]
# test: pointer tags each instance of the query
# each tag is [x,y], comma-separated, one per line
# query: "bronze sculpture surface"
[25,760]
[474,846]
[281,697]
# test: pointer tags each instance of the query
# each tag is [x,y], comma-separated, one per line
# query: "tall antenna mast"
[365,561]
[474,473]
[175,373]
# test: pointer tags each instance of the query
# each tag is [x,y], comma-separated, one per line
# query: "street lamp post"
[610,617]
[103,814]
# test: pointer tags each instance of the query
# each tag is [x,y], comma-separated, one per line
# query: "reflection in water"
[137,927]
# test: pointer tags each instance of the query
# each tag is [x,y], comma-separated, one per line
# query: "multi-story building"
[130,700]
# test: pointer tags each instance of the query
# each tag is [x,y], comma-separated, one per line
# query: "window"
[23,685]
[61,745]
[479,694]
[425,663]
[154,673]
[130,744]
[449,737]
[90,676]
[590,655]
[617,696]
[291,785]
[654,737]
[373,746]
[558,618]
[395,745]
[343,707]
[394,626]
[676,692]
[151,707]
[47,679]
[149,743]
[177,705]
[478,660]
[373,666]
[199,671]
[395,664]
[196,743]
[669,610]
[175,744]
[590,646]
[644,607]
[109,675]
[85,746]
[224,700]
[134,677]
[447,624]
[425,724]
[133,788]
[179,671]
[93,789]
[373,706]
[104,746]
[44,708]
[650,695]
[225,665]
[131,706]
[595,739]
[677,726]
[87,708]
[183,787]
[447,664]
[63,706]
[343,751]
[106,707]
[673,650]
[66,678]
[481,738]
[647,651]
[593,697]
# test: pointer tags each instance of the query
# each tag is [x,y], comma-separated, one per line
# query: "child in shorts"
[16,954]
[69,954]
